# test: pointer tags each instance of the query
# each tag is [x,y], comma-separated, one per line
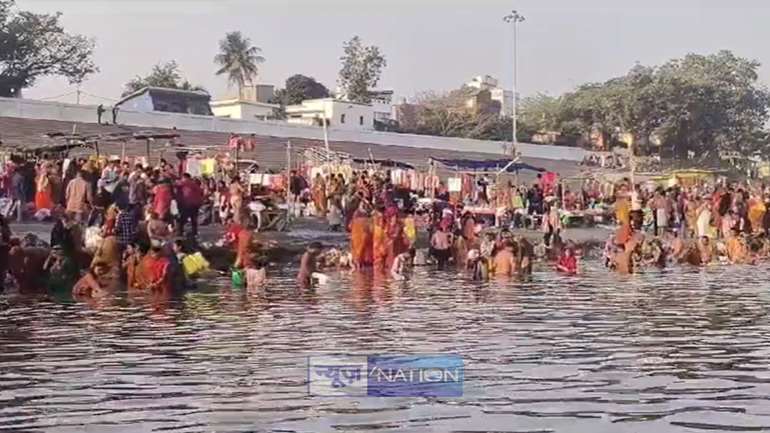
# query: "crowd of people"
[700,224]
[113,223]
[117,224]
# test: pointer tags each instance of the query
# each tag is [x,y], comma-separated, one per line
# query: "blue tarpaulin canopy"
[486,165]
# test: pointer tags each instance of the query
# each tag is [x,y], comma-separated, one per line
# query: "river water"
[683,350]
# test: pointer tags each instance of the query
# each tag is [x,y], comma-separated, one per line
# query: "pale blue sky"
[429,44]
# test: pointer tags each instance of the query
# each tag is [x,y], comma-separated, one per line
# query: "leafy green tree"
[162,75]
[539,113]
[711,103]
[36,45]
[238,59]
[299,88]
[361,69]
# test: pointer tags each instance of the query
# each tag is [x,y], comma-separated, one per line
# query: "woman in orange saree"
[756,212]
[379,241]
[319,195]
[361,239]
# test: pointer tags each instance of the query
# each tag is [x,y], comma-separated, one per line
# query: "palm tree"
[238,59]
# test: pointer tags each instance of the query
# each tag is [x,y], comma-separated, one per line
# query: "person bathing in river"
[308,265]
[505,260]
[567,262]
[677,247]
[61,270]
[402,265]
[737,249]
[705,250]
[441,246]
[525,255]
[154,272]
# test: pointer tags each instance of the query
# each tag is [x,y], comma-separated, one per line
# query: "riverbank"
[289,245]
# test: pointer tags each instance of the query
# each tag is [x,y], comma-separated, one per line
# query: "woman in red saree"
[379,241]
[361,239]
[395,242]
[44,189]
[154,270]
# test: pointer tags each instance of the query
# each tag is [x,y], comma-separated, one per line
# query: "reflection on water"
[678,350]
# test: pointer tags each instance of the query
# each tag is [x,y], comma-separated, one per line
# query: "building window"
[342,118]
[361,120]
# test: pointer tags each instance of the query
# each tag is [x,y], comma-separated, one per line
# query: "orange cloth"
[756,213]
[623,234]
[243,258]
[361,240]
[623,211]
[379,242]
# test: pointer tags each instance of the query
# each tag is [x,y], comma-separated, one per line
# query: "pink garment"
[234,142]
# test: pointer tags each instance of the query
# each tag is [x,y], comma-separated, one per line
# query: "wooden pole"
[123,150]
[237,150]
[147,150]
[326,138]
[288,158]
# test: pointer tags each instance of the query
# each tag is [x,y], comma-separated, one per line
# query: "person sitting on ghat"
[567,262]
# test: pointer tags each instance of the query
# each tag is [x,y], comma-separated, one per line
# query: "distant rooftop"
[172,100]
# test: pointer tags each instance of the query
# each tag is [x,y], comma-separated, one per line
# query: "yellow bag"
[194,264]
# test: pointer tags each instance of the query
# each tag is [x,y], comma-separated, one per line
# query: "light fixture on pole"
[514,18]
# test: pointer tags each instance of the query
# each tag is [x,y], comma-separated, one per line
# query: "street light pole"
[514,18]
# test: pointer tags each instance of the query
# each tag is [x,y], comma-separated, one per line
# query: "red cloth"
[233,230]
[547,181]
[159,268]
[161,201]
[190,193]
[568,262]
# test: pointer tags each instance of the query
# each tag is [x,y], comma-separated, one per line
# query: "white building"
[339,114]
[245,110]
[504,97]
[169,100]
[382,105]
[252,102]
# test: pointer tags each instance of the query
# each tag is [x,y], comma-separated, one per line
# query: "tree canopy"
[238,59]
[698,104]
[361,69]
[36,45]
[162,75]
[448,114]
[299,88]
